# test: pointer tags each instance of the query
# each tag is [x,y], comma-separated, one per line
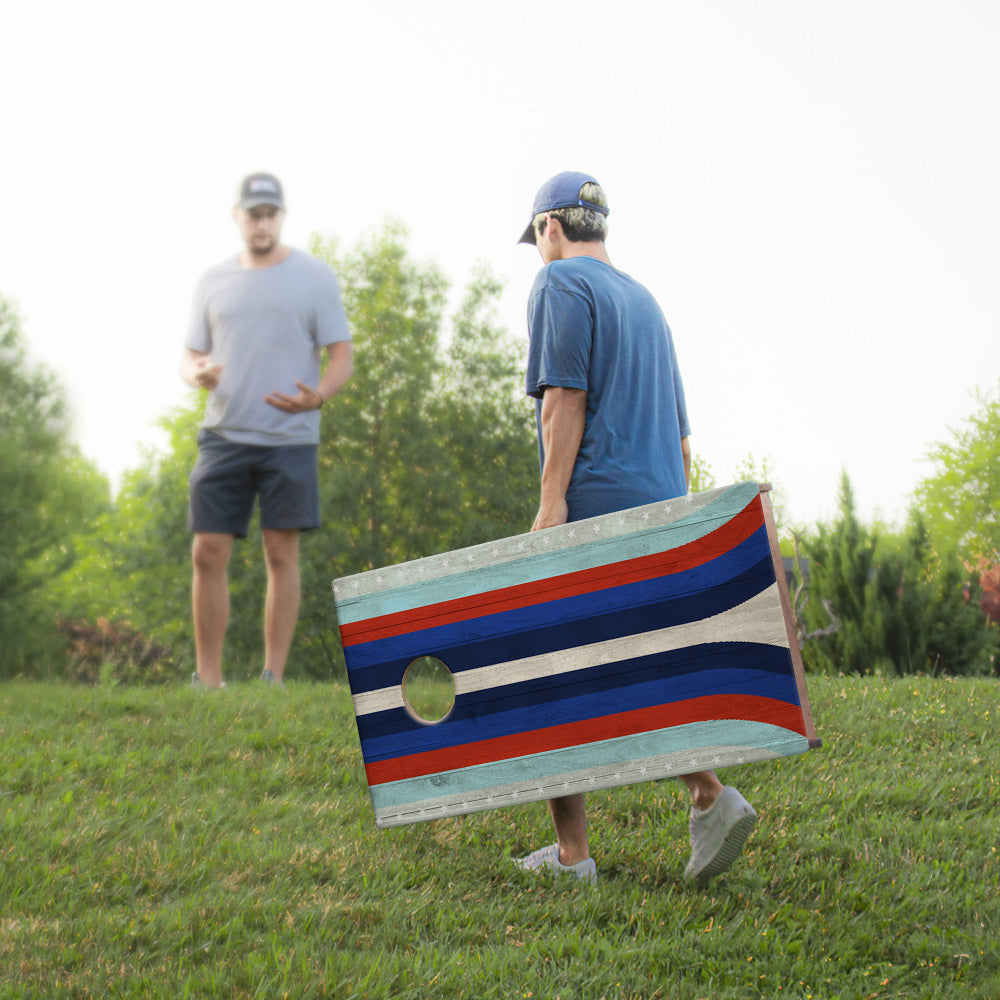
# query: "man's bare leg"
[704,787]
[569,817]
[210,602]
[569,814]
[284,594]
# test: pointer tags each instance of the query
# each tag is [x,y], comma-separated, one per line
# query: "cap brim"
[528,236]
[249,203]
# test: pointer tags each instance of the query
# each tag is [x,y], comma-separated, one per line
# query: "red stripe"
[727,536]
[753,708]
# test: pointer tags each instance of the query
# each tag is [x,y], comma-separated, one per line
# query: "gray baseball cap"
[261,189]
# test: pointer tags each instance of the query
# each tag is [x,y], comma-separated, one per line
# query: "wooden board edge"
[786,607]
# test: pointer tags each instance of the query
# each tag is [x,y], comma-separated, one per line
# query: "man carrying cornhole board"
[636,633]
[613,434]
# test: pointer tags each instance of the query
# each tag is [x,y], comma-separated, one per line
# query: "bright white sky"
[812,191]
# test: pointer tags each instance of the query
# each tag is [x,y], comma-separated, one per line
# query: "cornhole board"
[629,647]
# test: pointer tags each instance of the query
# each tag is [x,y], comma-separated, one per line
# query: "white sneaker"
[548,858]
[718,835]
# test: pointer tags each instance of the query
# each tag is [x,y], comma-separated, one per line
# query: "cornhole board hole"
[629,647]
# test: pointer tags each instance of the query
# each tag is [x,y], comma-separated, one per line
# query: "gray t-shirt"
[267,328]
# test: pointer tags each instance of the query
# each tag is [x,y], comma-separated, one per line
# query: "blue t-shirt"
[592,327]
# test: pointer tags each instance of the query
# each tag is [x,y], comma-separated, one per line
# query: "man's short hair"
[580,224]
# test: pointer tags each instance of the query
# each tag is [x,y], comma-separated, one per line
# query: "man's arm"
[564,416]
[340,365]
[198,371]
[686,455]
[339,368]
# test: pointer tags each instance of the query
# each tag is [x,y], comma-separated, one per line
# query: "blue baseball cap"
[561,191]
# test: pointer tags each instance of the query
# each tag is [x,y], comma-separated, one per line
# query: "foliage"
[702,476]
[164,843]
[429,447]
[899,606]
[50,494]
[961,501]
[135,567]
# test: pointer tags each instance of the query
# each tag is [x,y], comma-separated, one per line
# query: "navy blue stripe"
[733,578]
[729,564]
[761,670]
[555,633]
[677,670]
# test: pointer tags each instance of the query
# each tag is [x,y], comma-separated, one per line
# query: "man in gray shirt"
[259,324]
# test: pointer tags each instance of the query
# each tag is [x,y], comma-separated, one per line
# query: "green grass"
[172,843]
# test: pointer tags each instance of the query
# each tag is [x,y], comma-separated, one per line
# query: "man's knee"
[210,552]
[281,551]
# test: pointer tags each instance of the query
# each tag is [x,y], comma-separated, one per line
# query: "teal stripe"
[526,771]
[586,555]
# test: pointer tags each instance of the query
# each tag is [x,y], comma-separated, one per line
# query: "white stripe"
[759,619]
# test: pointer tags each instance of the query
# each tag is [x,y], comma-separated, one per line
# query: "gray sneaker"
[268,678]
[548,858]
[718,835]
[196,682]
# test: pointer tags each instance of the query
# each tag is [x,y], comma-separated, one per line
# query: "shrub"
[115,652]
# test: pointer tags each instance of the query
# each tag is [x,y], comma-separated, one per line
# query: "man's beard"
[263,249]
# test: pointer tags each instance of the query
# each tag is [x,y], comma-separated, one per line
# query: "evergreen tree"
[899,608]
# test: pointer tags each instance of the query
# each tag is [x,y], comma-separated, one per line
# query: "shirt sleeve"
[682,418]
[199,332]
[560,326]
[331,324]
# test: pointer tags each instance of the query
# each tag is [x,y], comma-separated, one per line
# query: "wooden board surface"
[638,645]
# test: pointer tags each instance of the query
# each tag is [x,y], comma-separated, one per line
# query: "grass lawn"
[175,843]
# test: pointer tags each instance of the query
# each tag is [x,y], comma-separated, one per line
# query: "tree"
[702,476]
[133,567]
[428,448]
[961,501]
[49,494]
[490,444]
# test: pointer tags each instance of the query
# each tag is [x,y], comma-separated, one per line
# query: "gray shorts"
[228,477]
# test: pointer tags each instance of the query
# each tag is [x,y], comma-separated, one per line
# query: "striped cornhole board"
[637,645]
